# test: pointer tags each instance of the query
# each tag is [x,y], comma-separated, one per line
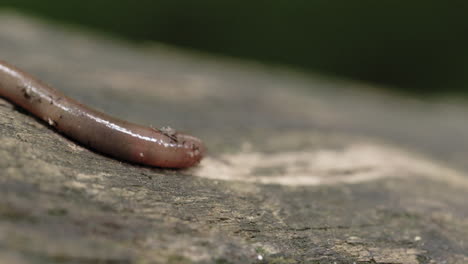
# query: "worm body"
[103,133]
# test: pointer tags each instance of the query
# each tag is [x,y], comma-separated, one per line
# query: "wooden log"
[301,169]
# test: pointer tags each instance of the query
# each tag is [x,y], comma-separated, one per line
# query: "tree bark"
[301,169]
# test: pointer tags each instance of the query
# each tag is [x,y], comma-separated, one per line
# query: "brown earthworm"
[117,138]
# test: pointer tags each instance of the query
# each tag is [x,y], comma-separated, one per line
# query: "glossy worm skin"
[117,138]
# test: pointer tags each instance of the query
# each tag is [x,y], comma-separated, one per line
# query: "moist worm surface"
[120,139]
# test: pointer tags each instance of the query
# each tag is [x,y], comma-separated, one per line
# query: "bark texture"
[300,169]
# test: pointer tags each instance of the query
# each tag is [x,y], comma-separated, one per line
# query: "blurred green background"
[413,46]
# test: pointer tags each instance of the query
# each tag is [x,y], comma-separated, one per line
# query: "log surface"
[301,169]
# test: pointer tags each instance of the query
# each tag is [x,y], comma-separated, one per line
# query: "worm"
[165,147]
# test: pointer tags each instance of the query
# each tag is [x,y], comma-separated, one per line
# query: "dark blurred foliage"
[419,46]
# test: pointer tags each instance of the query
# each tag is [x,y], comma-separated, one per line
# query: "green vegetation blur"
[414,46]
